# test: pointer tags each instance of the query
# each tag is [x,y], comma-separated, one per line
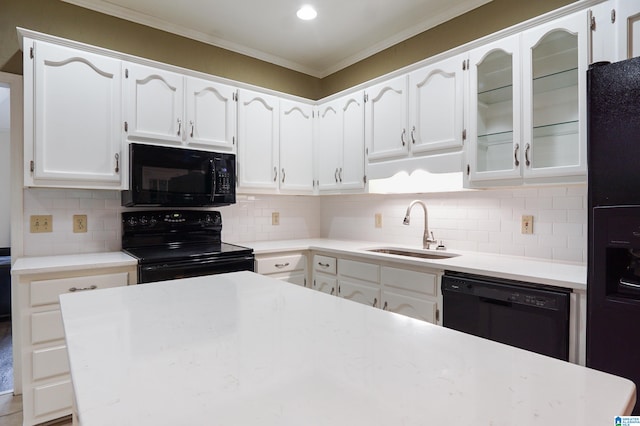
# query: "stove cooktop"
[180,252]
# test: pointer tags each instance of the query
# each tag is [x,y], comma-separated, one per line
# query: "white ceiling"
[345,31]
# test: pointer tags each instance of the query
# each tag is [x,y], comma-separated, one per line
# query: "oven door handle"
[194,263]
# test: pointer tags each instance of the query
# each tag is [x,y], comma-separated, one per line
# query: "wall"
[485,221]
[5,169]
[248,220]
[69,21]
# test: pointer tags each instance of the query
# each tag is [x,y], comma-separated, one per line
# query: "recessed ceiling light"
[307,13]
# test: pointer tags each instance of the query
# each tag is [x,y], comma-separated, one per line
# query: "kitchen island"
[244,349]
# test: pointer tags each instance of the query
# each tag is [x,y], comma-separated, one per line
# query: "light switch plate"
[378,220]
[275,218]
[79,223]
[527,225]
[41,223]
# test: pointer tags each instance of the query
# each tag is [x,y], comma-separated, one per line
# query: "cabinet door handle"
[117,162]
[404,133]
[375,302]
[335,175]
[324,265]
[515,155]
[333,290]
[283,175]
[275,173]
[384,308]
[413,135]
[179,126]
[281,265]
[340,175]
[526,155]
[93,287]
[192,128]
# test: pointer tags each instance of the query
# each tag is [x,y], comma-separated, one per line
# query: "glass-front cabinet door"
[554,76]
[494,116]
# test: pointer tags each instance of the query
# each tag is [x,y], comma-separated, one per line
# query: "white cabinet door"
[628,28]
[553,94]
[325,283]
[352,175]
[602,35]
[296,146]
[328,145]
[436,106]
[386,131]
[494,146]
[359,292]
[410,306]
[211,114]
[73,120]
[154,102]
[258,133]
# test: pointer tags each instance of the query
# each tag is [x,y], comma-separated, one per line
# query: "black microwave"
[177,177]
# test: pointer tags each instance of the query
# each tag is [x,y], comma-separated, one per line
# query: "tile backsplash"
[486,221]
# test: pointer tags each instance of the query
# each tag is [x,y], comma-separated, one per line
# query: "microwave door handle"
[213,179]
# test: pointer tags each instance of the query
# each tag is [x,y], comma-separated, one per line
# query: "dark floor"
[6,357]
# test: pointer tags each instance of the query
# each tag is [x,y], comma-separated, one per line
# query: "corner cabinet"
[258,134]
[339,144]
[72,118]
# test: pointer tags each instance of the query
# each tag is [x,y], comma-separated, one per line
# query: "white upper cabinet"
[386,132]
[258,135]
[627,17]
[210,114]
[554,109]
[436,106]
[154,104]
[339,143]
[73,124]
[602,35]
[296,146]
[494,105]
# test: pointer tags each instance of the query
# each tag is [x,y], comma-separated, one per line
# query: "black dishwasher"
[525,315]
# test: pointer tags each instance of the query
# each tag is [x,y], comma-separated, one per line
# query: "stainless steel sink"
[423,254]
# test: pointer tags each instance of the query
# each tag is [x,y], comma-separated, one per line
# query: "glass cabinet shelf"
[493,96]
[556,129]
[500,138]
[556,81]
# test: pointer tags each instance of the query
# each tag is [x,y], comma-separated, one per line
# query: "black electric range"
[172,244]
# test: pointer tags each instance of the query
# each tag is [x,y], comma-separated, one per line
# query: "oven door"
[148,273]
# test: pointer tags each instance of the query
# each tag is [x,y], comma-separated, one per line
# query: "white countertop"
[244,349]
[61,263]
[561,274]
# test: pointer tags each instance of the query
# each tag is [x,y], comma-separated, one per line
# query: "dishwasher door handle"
[496,301]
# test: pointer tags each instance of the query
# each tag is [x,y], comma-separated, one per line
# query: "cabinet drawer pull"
[281,265]
[324,265]
[526,155]
[515,155]
[93,287]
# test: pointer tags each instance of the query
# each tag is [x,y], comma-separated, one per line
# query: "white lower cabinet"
[410,292]
[324,274]
[285,267]
[46,384]
[359,281]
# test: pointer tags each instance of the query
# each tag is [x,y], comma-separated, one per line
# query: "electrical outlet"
[378,220]
[41,223]
[527,225]
[275,218]
[79,223]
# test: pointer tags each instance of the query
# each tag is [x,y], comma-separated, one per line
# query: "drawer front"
[324,264]
[420,282]
[361,293]
[51,398]
[360,270]
[325,284]
[272,265]
[46,326]
[413,307]
[296,277]
[46,292]
[50,362]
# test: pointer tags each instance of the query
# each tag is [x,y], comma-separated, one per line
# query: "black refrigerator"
[613,281]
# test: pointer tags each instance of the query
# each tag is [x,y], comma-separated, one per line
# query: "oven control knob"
[144,220]
[132,221]
[152,221]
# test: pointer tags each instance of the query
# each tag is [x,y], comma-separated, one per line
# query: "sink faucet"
[426,241]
